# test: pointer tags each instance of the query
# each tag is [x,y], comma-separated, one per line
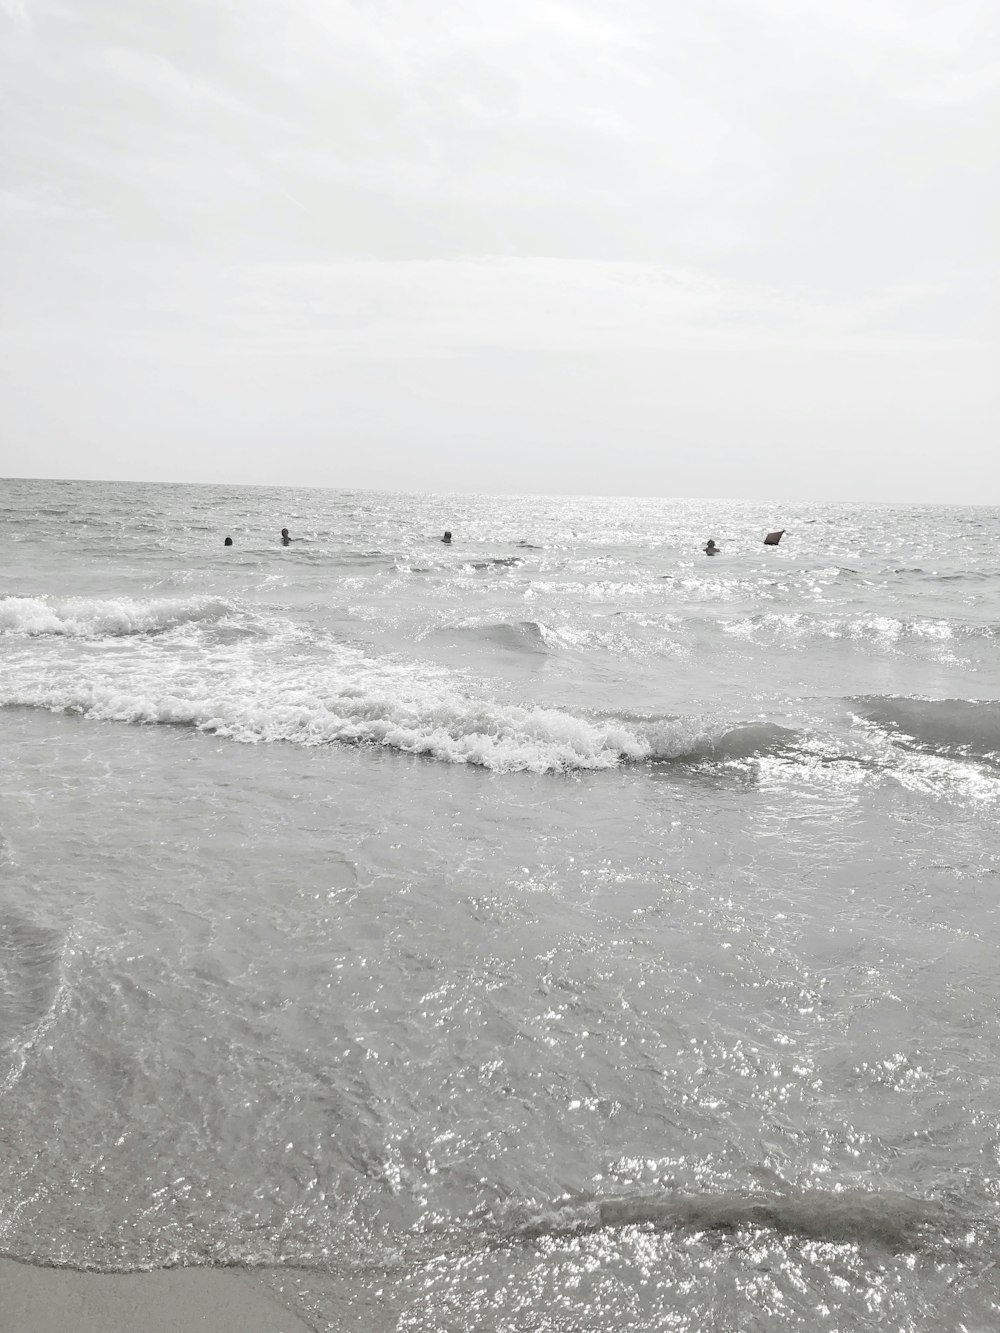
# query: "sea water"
[560,929]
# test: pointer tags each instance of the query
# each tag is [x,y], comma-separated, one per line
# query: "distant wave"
[890,1220]
[86,618]
[950,576]
[514,635]
[496,562]
[537,636]
[794,627]
[969,725]
[373,554]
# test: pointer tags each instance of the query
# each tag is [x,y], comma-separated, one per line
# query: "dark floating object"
[773,538]
[228,541]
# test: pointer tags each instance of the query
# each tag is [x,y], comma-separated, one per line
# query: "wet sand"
[57,1300]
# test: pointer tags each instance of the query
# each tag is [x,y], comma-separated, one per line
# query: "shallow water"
[605,938]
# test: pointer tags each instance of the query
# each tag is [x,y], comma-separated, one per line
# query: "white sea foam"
[880,631]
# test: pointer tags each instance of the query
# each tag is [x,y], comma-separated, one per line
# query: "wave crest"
[512,635]
[894,1221]
[969,725]
[88,618]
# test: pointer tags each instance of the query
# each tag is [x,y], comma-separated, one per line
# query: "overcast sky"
[675,247]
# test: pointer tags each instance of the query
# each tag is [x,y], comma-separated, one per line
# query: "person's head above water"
[284,532]
[285,539]
[228,541]
[447,538]
[710,546]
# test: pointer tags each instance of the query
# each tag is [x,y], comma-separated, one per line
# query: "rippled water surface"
[557,930]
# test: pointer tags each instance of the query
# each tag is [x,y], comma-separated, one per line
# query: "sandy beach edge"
[60,1300]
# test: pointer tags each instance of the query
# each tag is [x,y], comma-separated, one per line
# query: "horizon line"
[527,494]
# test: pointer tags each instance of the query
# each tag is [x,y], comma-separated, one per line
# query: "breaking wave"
[87,618]
[348,698]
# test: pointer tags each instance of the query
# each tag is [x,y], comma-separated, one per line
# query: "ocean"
[557,930]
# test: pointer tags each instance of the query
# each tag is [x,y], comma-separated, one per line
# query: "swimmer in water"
[710,547]
[285,539]
[446,538]
[228,541]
